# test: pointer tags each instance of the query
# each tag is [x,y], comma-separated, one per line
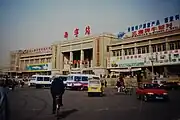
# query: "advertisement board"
[143,60]
[39,67]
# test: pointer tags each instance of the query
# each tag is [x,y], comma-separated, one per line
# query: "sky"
[38,23]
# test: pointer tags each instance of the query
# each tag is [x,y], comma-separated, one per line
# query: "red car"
[151,91]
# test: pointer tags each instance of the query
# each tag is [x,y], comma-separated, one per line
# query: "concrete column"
[167,45]
[24,65]
[94,53]
[71,56]
[135,49]
[150,47]
[122,52]
[58,57]
[53,57]
[82,59]
[61,61]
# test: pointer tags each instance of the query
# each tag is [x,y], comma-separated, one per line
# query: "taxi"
[151,91]
[95,87]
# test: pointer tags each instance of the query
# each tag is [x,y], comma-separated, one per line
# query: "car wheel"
[137,96]
[145,98]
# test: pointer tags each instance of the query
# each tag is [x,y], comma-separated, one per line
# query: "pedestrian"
[105,83]
[4,108]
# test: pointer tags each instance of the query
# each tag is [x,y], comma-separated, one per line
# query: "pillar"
[167,45]
[82,59]
[122,52]
[150,47]
[71,56]
[58,57]
[135,49]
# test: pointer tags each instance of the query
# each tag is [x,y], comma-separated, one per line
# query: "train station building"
[82,55]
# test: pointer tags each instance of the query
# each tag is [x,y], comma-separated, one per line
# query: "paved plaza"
[35,104]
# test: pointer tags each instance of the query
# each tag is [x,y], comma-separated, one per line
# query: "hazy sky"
[37,23]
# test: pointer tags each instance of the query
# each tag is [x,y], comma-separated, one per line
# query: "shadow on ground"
[66,113]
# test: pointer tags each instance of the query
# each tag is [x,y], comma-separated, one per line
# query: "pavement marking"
[102,109]
[35,109]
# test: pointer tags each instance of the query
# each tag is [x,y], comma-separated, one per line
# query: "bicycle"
[58,104]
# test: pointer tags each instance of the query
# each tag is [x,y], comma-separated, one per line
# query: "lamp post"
[152,65]
[16,70]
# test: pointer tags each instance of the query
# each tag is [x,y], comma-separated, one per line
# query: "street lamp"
[16,70]
[152,65]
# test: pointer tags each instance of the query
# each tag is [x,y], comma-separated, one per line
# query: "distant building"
[31,61]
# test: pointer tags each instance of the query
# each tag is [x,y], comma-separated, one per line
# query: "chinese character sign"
[76,32]
[65,34]
[87,30]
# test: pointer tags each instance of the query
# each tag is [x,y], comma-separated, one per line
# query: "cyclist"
[57,89]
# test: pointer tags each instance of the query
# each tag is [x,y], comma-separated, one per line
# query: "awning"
[125,70]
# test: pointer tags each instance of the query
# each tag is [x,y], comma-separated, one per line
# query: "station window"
[163,47]
[153,48]
[114,53]
[177,44]
[159,48]
[117,53]
[133,51]
[139,50]
[120,52]
[129,52]
[147,49]
[125,52]
[171,46]
[143,50]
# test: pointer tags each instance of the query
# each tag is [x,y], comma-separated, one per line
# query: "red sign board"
[152,29]
[76,32]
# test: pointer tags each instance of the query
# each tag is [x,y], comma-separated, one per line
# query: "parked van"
[40,81]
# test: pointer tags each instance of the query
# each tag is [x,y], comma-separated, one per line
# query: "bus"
[79,81]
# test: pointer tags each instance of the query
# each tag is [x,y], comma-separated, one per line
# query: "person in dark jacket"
[57,88]
[4,106]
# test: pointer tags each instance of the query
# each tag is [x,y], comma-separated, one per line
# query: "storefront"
[161,61]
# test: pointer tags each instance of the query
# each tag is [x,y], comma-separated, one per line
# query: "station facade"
[82,55]
[30,61]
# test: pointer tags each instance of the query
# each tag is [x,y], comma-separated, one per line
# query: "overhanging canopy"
[125,70]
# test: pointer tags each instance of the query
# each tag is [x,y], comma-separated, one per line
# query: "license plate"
[93,88]
[160,98]
[69,84]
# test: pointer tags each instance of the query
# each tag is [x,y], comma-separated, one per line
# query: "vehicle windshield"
[77,78]
[94,82]
[47,79]
[39,78]
[63,78]
[84,78]
[70,78]
[32,78]
[151,86]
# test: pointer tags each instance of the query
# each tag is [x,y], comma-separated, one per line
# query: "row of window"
[145,49]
